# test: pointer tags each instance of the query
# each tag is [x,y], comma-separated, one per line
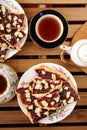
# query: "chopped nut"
[26,91]
[1,27]
[3,9]
[20,20]
[8,30]
[30,88]
[68,94]
[3,46]
[71,100]
[44,103]
[38,86]
[26,85]
[2,56]
[49,95]
[56,81]
[15,18]
[8,25]
[53,76]
[43,72]
[66,88]
[9,17]
[15,23]
[8,37]
[52,85]
[46,113]
[52,103]
[28,99]
[64,102]
[57,99]
[30,107]
[18,34]
[61,89]
[18,26]
[37,111]
[27,95]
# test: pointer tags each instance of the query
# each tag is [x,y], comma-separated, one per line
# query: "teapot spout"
[67,49]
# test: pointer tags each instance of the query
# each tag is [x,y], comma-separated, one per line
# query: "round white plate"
[12,78]
[60,114]
[16,8]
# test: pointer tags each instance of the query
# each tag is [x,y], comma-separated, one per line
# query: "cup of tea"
[8,83]
[4,85]
[48,28]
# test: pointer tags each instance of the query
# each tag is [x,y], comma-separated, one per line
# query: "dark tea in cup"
[49,28]
[4,84]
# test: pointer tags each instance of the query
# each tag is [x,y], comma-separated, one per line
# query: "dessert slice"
[2,29]
[68,93]
[3,12]
[35,114]
[14,21]
[50,101]
[24,94]
[47,73]
[13,38]
[3,50]
[41,87]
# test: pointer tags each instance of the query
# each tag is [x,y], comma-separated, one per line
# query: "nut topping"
[44,103]
[68,94]
[37,111]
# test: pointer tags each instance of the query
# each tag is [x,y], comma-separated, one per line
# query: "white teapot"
[77,52]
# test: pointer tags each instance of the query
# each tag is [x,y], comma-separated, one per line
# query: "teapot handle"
[66,61]
[67,49]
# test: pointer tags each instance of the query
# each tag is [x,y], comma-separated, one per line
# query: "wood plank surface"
[53,2]
[18,117]
[68,13]
[74,11]
[46,128]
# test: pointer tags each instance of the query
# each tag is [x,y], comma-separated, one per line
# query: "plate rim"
[53,64]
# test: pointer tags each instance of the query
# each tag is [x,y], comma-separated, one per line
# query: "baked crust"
[47,69]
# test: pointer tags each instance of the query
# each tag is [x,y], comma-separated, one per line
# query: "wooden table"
[75,11]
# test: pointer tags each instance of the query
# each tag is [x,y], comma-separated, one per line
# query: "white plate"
[15,7]
[62,113]
[12,78]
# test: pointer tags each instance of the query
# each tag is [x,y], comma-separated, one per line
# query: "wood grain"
[46,128]
[53,2]
[74,11]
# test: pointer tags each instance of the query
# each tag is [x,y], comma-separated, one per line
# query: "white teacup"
[78,52]
[49,28]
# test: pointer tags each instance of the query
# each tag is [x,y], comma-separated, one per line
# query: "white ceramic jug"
[77,52]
